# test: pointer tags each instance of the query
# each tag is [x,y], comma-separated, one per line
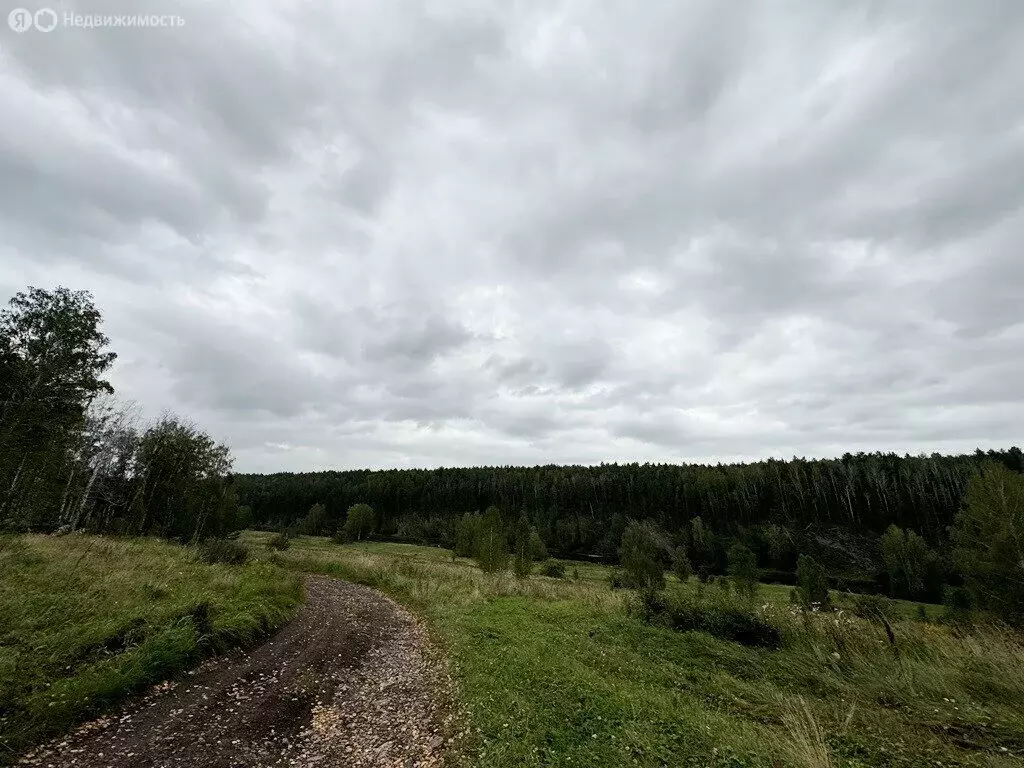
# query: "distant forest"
[842,505]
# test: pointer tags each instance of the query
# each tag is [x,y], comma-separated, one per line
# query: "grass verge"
[555,672]
[84,621]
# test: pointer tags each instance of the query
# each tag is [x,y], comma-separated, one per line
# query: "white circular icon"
[20,20]
[45,19]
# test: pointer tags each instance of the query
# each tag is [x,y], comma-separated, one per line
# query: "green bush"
[875,607]
[538,550]
[615,579]
[907,559]
[552,568]
[681,566]
[640,555]
[340,537]
[958,603]
[315,520]
[280,542]
[812,584]
[223,551]
[722,616]
[743,569]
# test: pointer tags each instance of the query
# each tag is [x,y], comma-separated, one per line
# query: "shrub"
[640,556]
[280,542]
[340,537]
[743,569]
[723,617]
[702,544]
[552,568]
[812,584]
[907,559]
[615,580]
[681,566]
[874,607]
[223,551]
[538,550]
[958,603]
[777,542]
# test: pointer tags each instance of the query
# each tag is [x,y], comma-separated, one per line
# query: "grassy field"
[550,672]
[554,672]
[85,620]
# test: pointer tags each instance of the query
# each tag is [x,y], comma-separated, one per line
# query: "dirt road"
[346,683]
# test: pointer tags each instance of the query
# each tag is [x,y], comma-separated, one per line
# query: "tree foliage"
[491,550]
[743,569]
[641,554]
[315,521]
[989,542]
[466,530]
[71,457]
[681,566]
[812,584]
[583,510]
[907,559]
[360,522]
[522,554]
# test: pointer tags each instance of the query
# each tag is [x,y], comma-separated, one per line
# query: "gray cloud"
[487,233]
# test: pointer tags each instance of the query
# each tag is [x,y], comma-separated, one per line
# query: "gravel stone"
[350,681]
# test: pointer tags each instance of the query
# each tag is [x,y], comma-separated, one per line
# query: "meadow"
[549,672]
[557,672]
[85,620]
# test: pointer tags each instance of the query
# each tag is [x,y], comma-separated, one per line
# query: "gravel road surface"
[349,682]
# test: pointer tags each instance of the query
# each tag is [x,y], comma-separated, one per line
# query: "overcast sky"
[344,234]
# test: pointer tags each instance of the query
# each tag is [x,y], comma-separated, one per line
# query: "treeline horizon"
[842,504]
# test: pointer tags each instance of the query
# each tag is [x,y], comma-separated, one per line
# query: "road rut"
[349,682]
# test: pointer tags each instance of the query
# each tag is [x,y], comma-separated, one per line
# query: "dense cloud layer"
[386,233]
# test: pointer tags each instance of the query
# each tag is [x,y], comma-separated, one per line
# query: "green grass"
[86,620]
[556,673]
[550,672]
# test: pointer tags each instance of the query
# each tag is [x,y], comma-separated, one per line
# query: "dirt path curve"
[347,683]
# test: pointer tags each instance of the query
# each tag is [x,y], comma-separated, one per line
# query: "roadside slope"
[347,682]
